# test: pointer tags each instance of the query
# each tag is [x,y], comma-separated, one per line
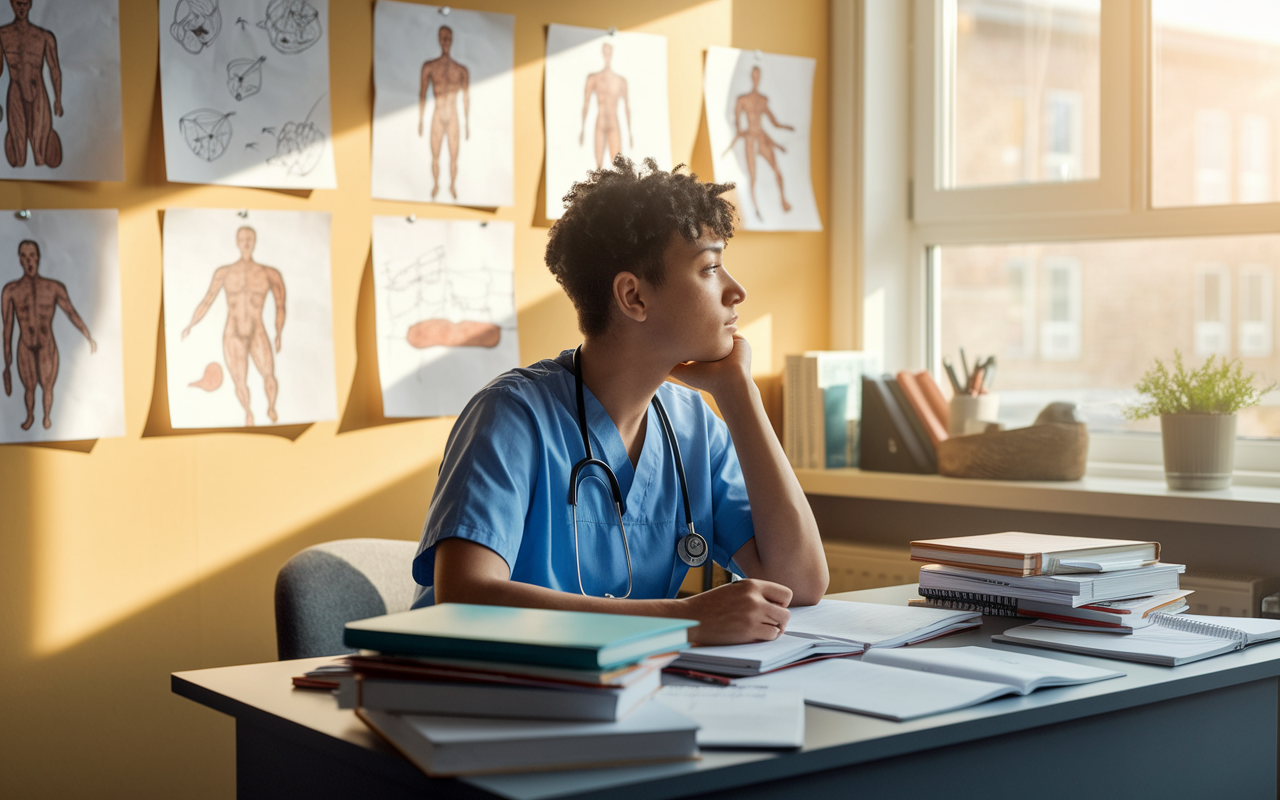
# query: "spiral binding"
[1177,623]
[989,604]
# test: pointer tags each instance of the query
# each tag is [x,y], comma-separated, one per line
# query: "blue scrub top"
[504,483]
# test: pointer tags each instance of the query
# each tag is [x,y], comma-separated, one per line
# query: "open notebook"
[832,627]
[906,684]
[1169,641]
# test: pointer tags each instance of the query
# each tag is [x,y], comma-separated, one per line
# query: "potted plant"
[1197,411]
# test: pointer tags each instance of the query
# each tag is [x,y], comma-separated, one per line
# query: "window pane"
[1216,89]
[1081,321]
[1025,97]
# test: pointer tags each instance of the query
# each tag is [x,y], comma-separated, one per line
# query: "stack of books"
[1068,582]
[822,404]
[904,419]
[463,689]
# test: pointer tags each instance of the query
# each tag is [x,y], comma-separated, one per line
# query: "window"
[1142,216]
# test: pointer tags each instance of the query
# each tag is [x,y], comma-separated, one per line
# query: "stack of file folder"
[463,689]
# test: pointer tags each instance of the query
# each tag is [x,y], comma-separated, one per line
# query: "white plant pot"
[1199,450]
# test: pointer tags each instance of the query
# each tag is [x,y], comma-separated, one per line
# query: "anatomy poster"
[248,318]
[60,303]
[62,118]
[758,115]
[442,114]
[606,93]
[245,92]
[446,314]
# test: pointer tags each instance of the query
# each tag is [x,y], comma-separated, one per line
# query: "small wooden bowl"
[1050,451]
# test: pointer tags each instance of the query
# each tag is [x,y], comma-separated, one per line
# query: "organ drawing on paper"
[759,107]
[442,128]
[245,92]
[62,112]
[445,311]
[605,95]
[247,302]
[60,307]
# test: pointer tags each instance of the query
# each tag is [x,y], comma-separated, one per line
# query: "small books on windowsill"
[1171,641]
[906,684]
[445,746]
[1020,554]
[832,627]
[535,636]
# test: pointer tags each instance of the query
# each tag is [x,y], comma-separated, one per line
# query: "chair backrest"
[328,585]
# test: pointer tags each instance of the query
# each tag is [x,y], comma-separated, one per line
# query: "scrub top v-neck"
[504,483]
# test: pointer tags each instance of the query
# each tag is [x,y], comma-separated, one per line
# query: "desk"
[1207,729]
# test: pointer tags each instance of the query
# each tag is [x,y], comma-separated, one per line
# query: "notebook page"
[740,716]
[1023,672]
[879,691]
[1256,629]
[1155,643]
[871,623]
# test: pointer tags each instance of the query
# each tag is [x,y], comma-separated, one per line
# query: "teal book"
[574,639]
[835,399]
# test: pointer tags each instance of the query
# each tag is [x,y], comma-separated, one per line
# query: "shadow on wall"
[105,701]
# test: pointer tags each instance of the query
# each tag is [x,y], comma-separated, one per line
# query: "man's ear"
[630,297]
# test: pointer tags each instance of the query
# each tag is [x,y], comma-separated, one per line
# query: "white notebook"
[740,716]
[1170,641]
[831,626]
[917,683]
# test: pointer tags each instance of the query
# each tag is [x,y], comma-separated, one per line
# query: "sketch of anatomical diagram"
[292,25]
[244,77]
[438,306]
[196,23]
[447,77]
[26,49]
[299,145]
[610,88]
[32,301]
[755,106]
[246,283]
[206,132]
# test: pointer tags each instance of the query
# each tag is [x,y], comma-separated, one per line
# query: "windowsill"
[1128,498]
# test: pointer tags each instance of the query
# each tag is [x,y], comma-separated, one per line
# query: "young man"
[640,254]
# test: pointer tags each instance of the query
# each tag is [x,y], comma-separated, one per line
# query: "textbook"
[574,639]
[906,684]
[459,669]
[1071,590]
[1021,554]
[510,699]
[445,746]
[1125,614]
[832,627]
[1169,641]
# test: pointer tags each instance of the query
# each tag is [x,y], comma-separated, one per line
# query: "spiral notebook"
[1170,641]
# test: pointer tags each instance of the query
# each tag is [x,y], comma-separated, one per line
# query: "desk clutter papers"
[906,684]
[1170,641]
[1020,554]
[451,745]
[745,717]
[832,627]
[1073,590]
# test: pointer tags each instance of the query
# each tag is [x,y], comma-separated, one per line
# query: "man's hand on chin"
[718,377]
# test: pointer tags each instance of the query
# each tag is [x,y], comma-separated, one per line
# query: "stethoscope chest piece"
[692,549]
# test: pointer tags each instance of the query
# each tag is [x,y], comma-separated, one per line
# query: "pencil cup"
[972,413]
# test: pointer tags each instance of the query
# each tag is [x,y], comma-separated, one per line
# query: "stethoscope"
[691,548]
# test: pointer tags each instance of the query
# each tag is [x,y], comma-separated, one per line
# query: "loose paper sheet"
[72,129]
[605,94]
[229,350]
[80,373]
[245,91]
[442,114]
[446,313]
[759,109]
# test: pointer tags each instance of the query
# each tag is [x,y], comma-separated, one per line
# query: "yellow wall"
[123,560]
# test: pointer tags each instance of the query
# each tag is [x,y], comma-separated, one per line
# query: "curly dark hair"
[622,219]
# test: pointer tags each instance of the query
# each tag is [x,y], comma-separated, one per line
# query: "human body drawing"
[26,48]
[756,106]
[33,300]
[247,283]
[447,78]
[610,88]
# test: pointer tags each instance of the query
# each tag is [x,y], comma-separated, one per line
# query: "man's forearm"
[527,595]
[786,539]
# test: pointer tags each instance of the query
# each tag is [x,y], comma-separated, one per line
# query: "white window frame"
[885,290]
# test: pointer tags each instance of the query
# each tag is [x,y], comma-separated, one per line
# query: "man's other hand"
[737,613]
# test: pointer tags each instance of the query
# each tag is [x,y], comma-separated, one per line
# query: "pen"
[964,363]
[991,372]
[704,677]
[951,374]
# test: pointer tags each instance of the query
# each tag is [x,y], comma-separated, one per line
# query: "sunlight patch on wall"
[759,334]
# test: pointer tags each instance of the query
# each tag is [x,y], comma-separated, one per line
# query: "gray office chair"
[328,585]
